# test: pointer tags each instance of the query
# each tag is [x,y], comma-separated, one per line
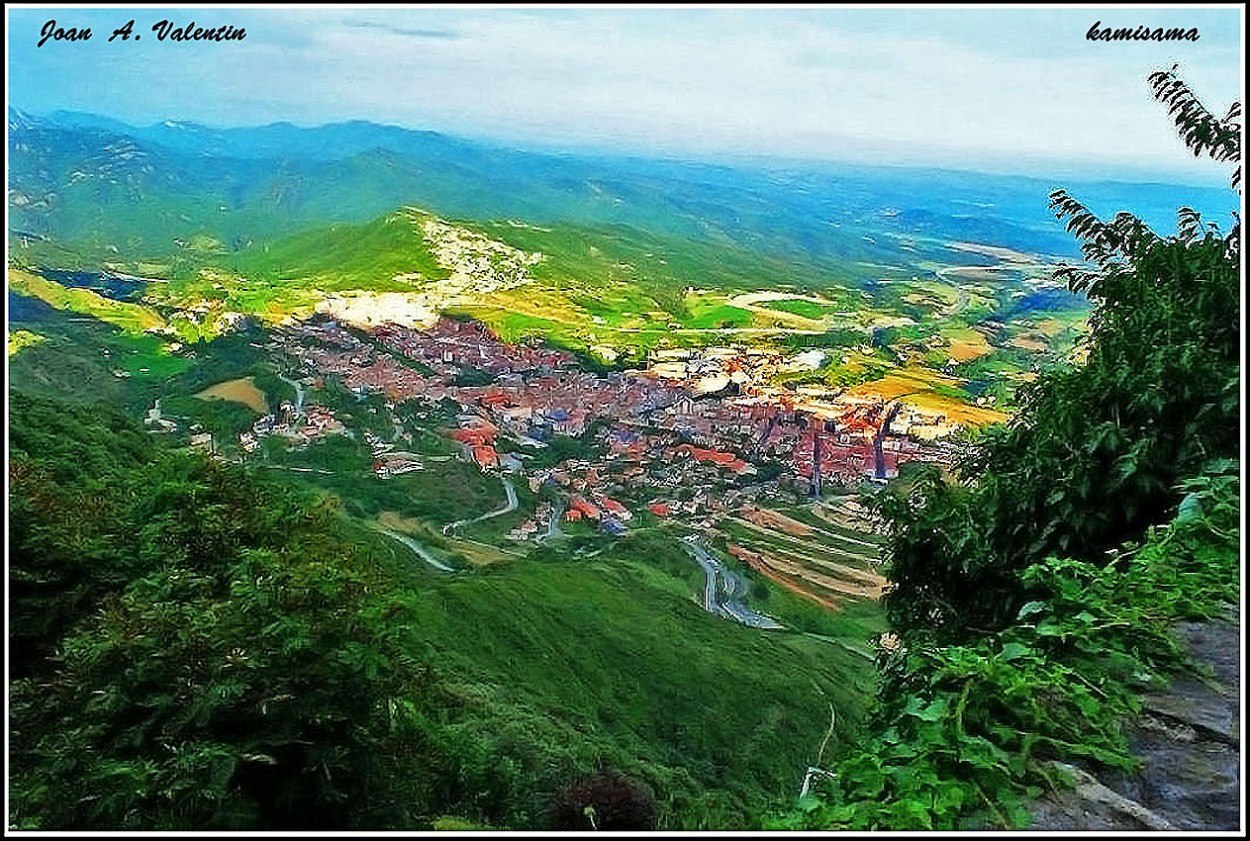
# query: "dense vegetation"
[1034,596]
[197,647]
[190,649]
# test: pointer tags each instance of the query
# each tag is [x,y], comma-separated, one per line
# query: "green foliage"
[1201,130]
[1157,397]
[467,376]
[225,419]
[963,732]
[193,649]
[1036,596]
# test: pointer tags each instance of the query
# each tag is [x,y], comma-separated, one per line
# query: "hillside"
[530,673]
[367,478]
[75,176]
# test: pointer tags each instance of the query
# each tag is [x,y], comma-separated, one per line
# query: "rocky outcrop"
[1188,738]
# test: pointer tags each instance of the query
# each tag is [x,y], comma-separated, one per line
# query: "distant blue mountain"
[77,176]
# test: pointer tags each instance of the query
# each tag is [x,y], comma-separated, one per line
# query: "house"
[494,398]
[472,437]
[611,526]
[485,457]
[588,510]
[617,510]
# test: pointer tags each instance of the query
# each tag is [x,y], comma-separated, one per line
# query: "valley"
[607,431]
[552,421]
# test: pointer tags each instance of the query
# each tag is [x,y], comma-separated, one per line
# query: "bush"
[605,801]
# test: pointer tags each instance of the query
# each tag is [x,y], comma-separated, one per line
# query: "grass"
[572,664]
[364,256]
[131,318]
[806,309]
[930,392]
[708,309]
[19,339]
[84,359]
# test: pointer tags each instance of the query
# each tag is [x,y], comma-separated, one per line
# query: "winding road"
[733,586]
[421,552]
[553,526]
[509,506]
[299,394]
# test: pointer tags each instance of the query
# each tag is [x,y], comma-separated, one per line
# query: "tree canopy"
[1096,452]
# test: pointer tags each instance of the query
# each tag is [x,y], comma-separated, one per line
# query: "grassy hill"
[564,665]
[534,672]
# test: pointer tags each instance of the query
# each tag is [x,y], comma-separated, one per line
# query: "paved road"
[509,506]
[296,469]
[421,551]
[553,527]
[733,586]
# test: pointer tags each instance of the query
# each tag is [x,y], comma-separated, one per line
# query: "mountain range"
[90,182]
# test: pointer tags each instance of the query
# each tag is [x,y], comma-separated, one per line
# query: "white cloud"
[910,87]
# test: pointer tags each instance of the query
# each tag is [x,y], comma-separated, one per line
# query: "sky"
[1007,89]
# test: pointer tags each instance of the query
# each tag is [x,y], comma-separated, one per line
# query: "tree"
[197,649]
[1096,452]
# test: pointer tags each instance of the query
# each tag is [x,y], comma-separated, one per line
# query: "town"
[658,438]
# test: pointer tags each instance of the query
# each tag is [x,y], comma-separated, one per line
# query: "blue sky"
[968,88]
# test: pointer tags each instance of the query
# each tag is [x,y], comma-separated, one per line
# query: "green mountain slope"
[517,678]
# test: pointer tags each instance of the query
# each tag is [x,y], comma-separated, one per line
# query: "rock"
[1092,805]
[1188,739]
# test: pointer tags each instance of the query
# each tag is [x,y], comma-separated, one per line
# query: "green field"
[806,309]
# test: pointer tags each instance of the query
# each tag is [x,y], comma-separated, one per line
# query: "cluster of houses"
[659,440]
[298,427]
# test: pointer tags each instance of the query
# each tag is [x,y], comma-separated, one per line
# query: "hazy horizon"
[756,162]
[973,90]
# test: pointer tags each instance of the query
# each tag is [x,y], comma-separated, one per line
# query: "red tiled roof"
[613,506]
[590,510]
[478,437]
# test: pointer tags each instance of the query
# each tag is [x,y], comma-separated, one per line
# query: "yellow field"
[477,554]
[971,346]
[1028,341]
[916,389]
[238,391]
[19,339]
[480,554]
[770,519]
[536,302]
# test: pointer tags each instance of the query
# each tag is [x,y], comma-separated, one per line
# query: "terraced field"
[829,564]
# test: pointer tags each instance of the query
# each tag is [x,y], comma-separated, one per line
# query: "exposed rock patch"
[1189,740]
